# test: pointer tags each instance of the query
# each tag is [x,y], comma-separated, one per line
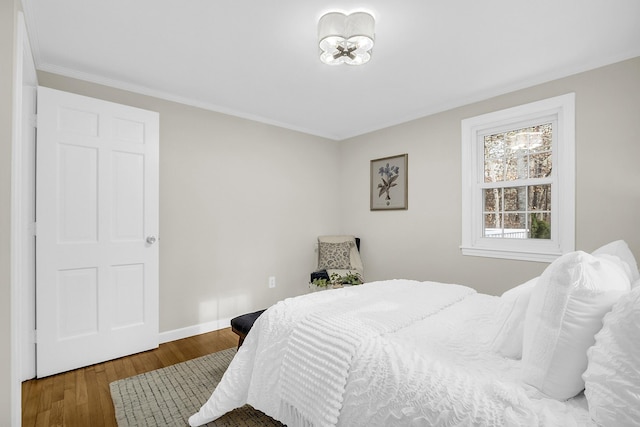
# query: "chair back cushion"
[332,254]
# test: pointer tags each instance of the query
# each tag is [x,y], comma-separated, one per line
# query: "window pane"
[539,198]
[494,150]
[494,170]
[515,198]
[518,212]
[546,138]
[515,226]
[533,138]
[517,166]
[540,165]
[540,226]
[493,200]
[518,154]
[525,138]
[492,225]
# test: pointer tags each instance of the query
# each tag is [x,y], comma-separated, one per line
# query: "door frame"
[22,310]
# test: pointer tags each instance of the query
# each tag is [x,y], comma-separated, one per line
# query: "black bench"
[241,325]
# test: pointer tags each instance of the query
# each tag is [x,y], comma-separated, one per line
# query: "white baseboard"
[189,331]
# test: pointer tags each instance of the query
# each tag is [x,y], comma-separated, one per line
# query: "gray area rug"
[169,396]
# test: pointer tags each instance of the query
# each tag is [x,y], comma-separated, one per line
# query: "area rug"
[169,396]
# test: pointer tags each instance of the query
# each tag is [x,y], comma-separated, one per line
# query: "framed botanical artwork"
[389,183]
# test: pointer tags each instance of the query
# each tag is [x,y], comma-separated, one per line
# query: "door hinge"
[34,228]
[33,120]
[34,337]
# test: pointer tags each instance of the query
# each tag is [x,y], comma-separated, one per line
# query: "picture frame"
[389,183]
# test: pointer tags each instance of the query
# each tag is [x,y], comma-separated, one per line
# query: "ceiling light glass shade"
[346,39]
[526,140]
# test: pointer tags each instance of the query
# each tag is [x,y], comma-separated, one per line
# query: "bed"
[410,353]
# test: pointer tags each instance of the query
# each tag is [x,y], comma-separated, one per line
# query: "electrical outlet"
[272,281]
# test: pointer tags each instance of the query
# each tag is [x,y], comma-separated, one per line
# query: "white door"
[96,231]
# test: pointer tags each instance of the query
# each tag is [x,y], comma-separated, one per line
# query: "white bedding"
[386,353]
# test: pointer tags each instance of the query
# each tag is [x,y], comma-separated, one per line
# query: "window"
[518,174]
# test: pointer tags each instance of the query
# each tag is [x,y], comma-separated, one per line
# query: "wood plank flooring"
[81,398]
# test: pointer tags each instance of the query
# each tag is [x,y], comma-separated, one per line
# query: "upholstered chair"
[338,254]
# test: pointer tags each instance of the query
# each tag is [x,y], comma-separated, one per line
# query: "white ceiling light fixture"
[526,140]
[346,39]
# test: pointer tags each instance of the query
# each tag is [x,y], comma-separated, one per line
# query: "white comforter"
[387,353]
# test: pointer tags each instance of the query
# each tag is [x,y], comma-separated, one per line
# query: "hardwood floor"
[81,398]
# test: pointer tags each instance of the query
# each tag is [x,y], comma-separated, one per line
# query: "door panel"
[77,303]
[77,194]
[97,201]
[128,196]
[129,303]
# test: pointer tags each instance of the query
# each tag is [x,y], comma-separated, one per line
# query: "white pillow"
[565,312]
[620,249]
[612,380]
[514,302]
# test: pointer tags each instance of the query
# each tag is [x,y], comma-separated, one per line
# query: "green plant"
[321,283]
[540,229]
[351,279]
[337,281]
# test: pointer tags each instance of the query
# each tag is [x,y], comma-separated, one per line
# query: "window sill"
[521,255]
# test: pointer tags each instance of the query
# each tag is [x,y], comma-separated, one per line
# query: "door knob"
[151,240]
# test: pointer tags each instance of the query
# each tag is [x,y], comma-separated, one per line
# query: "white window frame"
[561,110]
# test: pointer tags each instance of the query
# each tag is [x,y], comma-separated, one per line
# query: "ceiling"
[258,59]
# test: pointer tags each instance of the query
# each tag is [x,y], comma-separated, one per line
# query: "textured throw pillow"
[334,256]
[612,380]
[514,303]
[565,312]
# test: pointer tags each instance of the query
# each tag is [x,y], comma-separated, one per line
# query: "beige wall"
[7,35]
[422,242]
[239,201]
